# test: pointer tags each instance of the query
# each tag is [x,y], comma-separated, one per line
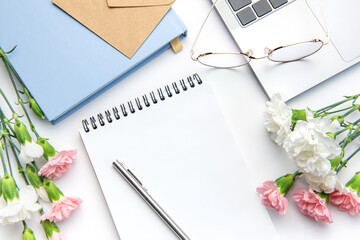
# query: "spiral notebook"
[176,141]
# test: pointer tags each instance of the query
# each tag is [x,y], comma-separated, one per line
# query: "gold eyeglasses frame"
[249,54]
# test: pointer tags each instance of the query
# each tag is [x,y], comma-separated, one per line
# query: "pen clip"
[137,180]
[133,175]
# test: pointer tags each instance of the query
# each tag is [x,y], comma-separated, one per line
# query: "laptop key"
[262,7]
[238,4]
[246,16]
[277,3]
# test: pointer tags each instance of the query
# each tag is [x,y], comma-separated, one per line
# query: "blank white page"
[182,151]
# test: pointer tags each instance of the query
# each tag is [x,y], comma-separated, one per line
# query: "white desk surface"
[243,102]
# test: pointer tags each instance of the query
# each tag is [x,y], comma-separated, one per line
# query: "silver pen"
[143,192]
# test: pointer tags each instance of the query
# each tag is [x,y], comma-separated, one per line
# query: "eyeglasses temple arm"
[202,26]
[324,18]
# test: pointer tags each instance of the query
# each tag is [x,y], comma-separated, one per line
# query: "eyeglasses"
[287,53]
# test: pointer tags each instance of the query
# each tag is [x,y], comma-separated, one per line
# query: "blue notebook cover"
[61,62]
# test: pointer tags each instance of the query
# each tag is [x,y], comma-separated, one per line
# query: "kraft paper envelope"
[124,24]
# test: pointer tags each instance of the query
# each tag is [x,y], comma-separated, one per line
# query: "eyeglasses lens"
[224,60]
[295,52]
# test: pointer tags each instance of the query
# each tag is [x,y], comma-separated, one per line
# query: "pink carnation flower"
[311,204]
[57,236]
[61,209]
[271,197]
[58,165]
[346,201]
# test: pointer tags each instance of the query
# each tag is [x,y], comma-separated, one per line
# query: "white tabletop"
[243,102]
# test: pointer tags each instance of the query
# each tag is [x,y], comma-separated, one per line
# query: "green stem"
[350,137]
[8,157]
[2,157]
[7,64]
[10,127]
[7,101]
[3,162]
[354,97]
[354,108]
[340,131]
[343,164]
[13,144]
[356,122]
[316,115]
[20,168]
[5,121]
[297,173]
[340,110]
[32,126]
[14,148]
[20,100]
[11,77]
[11,66]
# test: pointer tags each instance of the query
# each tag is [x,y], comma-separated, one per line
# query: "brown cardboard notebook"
[124,24]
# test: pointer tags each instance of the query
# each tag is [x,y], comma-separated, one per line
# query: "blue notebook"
[61,62]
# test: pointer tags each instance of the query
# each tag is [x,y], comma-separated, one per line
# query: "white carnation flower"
[278,118]
[322,183]
[30,151]
[325,125]
[310,147]
[19,209]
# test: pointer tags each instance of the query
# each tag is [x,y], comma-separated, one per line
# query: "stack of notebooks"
[68,51]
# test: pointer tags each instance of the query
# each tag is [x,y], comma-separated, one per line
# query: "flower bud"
[52,190]
[21,132]
[354,183]
[33,176]
[49,151]
[51,229]
[28,234]
[35,107]
[285,182]
[9,188]
[26,92]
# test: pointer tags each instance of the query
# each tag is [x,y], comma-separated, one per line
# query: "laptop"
[260,24]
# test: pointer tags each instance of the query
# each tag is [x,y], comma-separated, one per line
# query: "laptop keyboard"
[248,11]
